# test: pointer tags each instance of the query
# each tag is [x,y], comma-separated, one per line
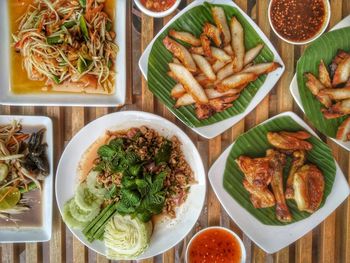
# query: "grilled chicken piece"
[337,110]
[299,158]
[257,171]
[223,103]
[213,33]
[277,162]
[205,45]
[343,133]
[315,86]
[308,187]
[260,198]
[337,94]
[289,141]
[203,111]
[341,55]
[324,75]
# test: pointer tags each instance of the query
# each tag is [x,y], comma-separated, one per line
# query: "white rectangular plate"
[210,131]
[41,233]
[295,90]
[63,99]
[273,238]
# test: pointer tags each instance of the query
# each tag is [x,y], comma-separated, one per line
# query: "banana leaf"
[192,21]
[325,48]
[254,144]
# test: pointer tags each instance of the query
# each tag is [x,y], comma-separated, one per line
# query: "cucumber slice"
[85,199]
[69,219]
[94,186]
[81,214]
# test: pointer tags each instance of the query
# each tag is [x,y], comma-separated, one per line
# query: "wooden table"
[329,242]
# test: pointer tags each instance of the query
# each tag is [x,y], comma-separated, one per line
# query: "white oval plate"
[167,233]
[295,90]
[273,238]
[210,131]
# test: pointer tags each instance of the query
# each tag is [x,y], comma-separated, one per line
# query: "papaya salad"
[23,166]
[69,44]
[134,175]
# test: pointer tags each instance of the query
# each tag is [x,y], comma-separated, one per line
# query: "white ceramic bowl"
[166,233]
[243,251]
[323,28]
[157,14]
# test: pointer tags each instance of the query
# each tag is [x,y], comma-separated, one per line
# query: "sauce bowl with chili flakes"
[299,22]
[157,8]
[215,244]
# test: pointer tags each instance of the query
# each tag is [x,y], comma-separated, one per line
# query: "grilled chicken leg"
[277,163]
[299,158]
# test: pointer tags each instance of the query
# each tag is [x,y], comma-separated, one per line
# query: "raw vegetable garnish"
[137,174]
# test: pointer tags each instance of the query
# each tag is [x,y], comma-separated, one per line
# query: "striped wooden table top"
[329,242]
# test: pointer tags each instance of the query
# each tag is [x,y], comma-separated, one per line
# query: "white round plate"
[166,233]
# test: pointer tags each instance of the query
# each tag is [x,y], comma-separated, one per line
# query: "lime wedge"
[9,197]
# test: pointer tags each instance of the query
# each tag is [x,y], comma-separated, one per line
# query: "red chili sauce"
[158,5]
[214,246]
[298,20]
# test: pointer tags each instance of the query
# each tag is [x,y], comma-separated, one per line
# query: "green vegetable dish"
[128,177]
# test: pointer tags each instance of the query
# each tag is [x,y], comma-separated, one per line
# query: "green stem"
[31,186]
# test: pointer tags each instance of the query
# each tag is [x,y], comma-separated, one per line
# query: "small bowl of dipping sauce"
[215,244]
[157,8]
[299,22]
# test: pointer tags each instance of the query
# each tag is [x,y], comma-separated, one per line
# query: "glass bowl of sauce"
[299,21]
[157,8]
[215,244]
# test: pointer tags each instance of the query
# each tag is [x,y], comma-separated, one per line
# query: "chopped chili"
[215,245]
[298,20]
[158,5]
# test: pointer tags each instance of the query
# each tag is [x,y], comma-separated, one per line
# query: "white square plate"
[62,99]
[210,131]
[295,90]
[43,232]
[273,238]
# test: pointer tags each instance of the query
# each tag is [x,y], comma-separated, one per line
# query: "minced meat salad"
[144,172]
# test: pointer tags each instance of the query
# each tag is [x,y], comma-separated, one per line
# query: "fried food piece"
[288,141]
[204,66]
[337,110]
[184,76]
[337,94]
[213,33]
[277,163]
[308,187]
[262,68]
[315,86]
[218,65]
[225,71]
[237,42]
[299,158]
[203,111]
[187,99]
[324,75]
[204,81]
[342,73]
[185,37]
[301,135]
[252,54]
[181,53]
[219,54]
[341,55]
[236,81]
[228,49]
[343,132]
[221,22]
[177,91]
[205,45]
[223,103]
[197,50]
[260,198]
[257,171]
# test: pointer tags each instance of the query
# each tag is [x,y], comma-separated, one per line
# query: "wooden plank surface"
[329,242]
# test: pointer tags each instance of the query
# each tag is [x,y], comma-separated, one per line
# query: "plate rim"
[313,220]
[114,100]
[144,115]
[45,231]
[221,126]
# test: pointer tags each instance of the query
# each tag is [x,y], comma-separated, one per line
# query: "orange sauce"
[158,5]
[20,83]
[213,246]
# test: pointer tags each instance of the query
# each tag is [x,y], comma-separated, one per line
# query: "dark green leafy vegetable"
[83,65]
[69,24]
[106,151]
[54,40]
[108,26]
[163,155]
[83,27]
[82,3]
[112,192]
